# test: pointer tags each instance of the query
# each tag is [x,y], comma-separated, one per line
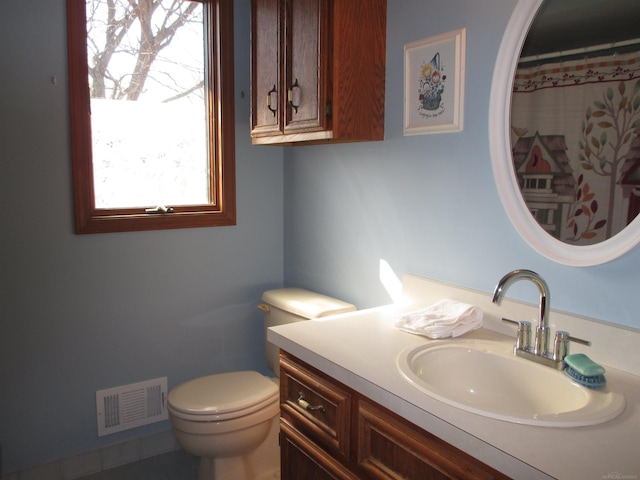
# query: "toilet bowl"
[221,418]
[230,420]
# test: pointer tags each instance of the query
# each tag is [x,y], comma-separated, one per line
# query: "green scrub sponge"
[584,370]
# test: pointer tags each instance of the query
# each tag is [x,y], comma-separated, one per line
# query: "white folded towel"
[447,318]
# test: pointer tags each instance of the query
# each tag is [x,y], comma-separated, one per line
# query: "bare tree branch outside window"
[126,38]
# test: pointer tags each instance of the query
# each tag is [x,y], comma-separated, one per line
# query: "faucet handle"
[523,334]
[561,344]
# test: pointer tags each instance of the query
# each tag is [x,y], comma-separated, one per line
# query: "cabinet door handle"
[290,95]
[307,406]
[269,93]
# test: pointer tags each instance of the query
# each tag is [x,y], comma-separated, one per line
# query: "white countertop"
[359,349]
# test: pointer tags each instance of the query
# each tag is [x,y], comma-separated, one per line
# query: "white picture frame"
[434,73]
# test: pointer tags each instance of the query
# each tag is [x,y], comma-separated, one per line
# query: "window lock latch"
[160,209]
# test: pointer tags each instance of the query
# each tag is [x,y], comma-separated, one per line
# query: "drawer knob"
[307,406]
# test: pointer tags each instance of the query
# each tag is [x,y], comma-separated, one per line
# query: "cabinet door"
[267,97]
[301,459]
[307,65]
[390,449]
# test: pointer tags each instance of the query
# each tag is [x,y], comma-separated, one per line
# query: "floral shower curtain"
[575,135]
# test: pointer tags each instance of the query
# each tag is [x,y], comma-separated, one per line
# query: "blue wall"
[82,313]
[428,204]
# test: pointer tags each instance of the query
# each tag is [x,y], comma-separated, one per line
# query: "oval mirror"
[570,188]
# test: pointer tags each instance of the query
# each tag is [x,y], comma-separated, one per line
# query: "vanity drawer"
[316,406]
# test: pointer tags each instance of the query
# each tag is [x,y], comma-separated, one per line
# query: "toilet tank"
[289,305]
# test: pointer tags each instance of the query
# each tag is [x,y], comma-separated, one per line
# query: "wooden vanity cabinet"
[329,431]
[317,70]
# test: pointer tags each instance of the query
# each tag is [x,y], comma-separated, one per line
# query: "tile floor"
[175,465]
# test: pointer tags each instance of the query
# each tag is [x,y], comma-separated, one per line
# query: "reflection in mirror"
[501,132]
[575,118]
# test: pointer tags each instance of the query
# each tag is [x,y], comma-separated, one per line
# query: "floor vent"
[131,406]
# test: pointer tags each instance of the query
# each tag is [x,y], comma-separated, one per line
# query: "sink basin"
[485,378]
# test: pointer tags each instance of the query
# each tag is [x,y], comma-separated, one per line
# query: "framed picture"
[434,71]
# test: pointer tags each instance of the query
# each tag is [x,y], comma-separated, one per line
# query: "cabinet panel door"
[307,63]
[389,449]
[301,459]
[267,97]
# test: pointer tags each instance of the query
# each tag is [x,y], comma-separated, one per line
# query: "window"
[540,183]
[151,113]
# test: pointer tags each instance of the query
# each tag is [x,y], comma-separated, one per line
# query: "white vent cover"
[130,406]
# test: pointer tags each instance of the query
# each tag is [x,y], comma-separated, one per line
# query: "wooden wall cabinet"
[329,431]
[317,71]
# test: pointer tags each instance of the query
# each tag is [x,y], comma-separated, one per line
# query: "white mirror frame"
[502,162]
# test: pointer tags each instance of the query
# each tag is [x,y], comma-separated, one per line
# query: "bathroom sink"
[485,378]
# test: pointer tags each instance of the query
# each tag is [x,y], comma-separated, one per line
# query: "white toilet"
[230,420]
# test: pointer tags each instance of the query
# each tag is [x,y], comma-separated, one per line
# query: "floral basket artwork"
[432,81]
[434,84]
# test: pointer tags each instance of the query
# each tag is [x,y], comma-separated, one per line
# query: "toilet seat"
[223,396]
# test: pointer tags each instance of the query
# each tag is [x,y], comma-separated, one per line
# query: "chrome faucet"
[541,346]
[540,352]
